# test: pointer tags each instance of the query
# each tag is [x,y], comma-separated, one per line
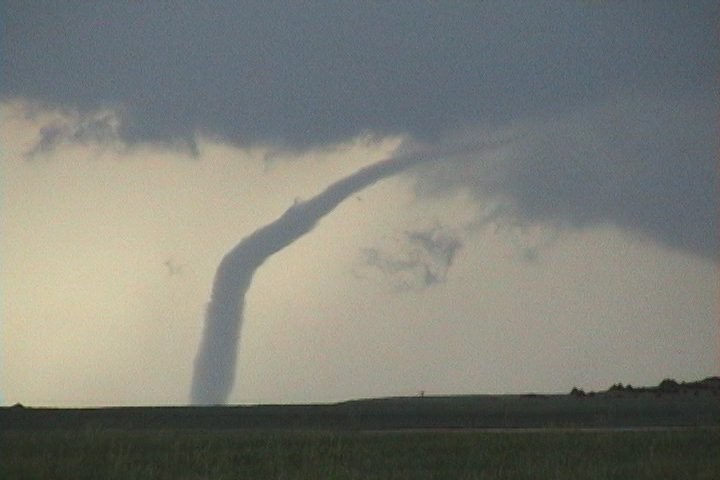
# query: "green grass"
[417,455]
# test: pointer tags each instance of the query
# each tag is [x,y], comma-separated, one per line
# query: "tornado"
[215,363]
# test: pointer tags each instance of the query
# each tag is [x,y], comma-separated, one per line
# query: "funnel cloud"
[214,371]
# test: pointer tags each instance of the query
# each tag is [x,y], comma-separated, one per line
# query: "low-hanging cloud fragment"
[97,129]
[421,258]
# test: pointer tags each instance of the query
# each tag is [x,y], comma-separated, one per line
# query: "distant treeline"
[708,385]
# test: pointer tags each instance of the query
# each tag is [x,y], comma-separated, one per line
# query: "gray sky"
[578,249]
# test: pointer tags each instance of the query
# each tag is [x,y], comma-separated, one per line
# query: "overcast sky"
[574,243]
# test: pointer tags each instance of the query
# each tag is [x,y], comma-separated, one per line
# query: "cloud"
[612,106]
[99,128]
[644,163]
[307,74]
[421,258]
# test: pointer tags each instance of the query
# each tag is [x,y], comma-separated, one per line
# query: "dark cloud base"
[641,163]
[613,102]
[307,74]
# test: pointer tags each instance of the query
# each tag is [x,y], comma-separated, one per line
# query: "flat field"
[675,453]
[609,410]
[614,435]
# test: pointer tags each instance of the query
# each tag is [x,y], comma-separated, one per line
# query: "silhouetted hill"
[668,404]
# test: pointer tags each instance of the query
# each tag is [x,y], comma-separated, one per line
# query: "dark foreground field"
[612,435]
[607,409]
[315,455]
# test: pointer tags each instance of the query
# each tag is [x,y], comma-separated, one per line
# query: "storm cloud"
[614,102]
[644,164]
[305,74]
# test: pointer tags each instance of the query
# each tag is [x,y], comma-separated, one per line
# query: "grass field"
[463,411]
[688,453]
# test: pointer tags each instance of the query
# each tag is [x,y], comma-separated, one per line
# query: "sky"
[562,235]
